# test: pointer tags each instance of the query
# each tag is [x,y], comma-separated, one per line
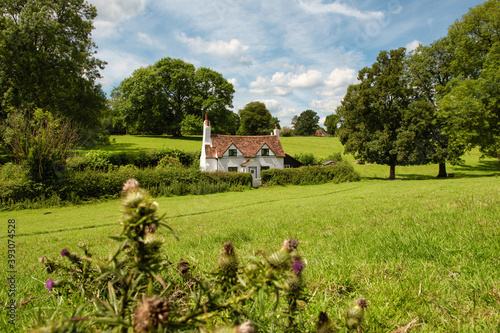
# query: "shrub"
[306,159]
[311,175]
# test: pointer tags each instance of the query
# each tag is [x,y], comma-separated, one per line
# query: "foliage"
[191,125]
[138,289]
[41,141]
[306,123]
[286,132]
[331,123]
[311,175]
[156,99]
[306,159]
[255,119]
[169,161]
[372,111]
[47,60]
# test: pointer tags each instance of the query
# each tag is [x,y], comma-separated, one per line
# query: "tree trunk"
[392,173]
[442,171]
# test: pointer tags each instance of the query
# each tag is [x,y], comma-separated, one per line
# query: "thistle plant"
[355,315]
[137,289]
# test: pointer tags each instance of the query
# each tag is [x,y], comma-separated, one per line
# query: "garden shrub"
[310,175]
[306,159]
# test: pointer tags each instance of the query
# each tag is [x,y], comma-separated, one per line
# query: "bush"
[311,175]
[307,159]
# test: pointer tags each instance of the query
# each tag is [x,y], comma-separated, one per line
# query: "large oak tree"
[47,59]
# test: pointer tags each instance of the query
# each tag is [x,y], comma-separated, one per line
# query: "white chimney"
[276,131]
[207,132]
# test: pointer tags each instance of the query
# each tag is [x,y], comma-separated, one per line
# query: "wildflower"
[150,313]
[355,315]
[297,266]
[65,252]
[130,185]
[290,244]
[228,261]
[42,259]
[49,284]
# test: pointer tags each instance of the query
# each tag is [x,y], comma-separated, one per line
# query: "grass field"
[423,251]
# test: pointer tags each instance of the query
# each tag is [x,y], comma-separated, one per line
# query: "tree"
[331,123]
[47,60]
[421,139]
[157,98]
[192,125]
[255,119]
[470,107]
[372,111]
[306,123]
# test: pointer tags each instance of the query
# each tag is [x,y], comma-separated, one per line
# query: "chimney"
[207,132]
[276,130]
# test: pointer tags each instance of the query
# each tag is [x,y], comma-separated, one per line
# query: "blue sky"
[293,55]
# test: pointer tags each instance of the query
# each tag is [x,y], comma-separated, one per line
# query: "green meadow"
[425,252]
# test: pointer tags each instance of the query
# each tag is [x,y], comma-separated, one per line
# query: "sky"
[292,55]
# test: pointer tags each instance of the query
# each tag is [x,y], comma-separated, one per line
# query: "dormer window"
[233,152]
[265,152]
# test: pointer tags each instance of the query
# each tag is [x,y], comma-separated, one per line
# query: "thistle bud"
[184,267]
[130,185]
[279,259]
[355,315]
[290,245]
[228,261]
[150,313]
[324,324]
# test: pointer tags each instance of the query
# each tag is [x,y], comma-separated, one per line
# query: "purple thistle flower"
[49,284]
[297,266]
[65,253]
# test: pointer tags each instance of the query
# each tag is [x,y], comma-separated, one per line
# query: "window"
[233,152]
[232,169]
[262,168]
[287,166]
[265,152]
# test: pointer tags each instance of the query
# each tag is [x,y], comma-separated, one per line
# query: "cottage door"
[253,171]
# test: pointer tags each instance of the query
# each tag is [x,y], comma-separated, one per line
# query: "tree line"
[431,105]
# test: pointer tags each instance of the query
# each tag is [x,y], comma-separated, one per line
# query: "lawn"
[421,251]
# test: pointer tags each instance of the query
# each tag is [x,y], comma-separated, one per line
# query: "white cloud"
[327,105]
[112,12]
[276,108]
[412,46]
[148,40]
[316,7]
[120,66]
[338,81]
[234,50]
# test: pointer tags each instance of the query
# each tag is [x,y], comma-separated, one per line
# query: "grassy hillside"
[421,251]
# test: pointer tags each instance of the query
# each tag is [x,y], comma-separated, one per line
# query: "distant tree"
[47,60]
[192,125]
[255,119]
[286,131]
[372,111]
[156,99]
[306,123]
[331,123]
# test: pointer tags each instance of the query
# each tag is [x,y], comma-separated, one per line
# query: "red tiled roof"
[248,145]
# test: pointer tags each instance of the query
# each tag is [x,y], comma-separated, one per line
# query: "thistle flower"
[129,185]
[150,229]
[297,266]
[290,245]
[49,284]
[246,327]
[355,315]
[324,324]
[150,313]
[42,259]
[228,261]
[65,252]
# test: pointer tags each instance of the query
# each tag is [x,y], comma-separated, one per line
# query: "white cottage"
[241,153]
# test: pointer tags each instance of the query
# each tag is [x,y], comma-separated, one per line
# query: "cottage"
[239,153]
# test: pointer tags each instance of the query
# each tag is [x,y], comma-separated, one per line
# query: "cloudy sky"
[293,55]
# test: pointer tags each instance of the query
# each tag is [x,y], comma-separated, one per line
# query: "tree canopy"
[255,119]
[47,60]
[331,123]
[306,123]
[372,111]
[156,99]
